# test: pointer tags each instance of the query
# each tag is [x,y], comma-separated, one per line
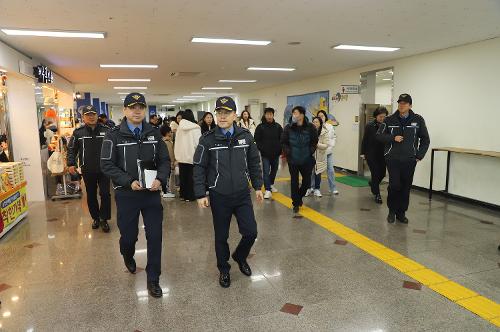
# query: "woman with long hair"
[186,141]
[330,169]
[320,156]
[207,123]
[247,122]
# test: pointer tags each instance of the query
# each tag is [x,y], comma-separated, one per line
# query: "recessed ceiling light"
[230,41]
[366,48]
[128,66]
[129,80]
[203,93]
[237,81]
[216,88]
[53,33]
[270,69]
[130,87]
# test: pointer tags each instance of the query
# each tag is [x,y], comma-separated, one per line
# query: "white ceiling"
[159,32]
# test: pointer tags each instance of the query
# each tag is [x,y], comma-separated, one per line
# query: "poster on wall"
[13,207]
[312,102]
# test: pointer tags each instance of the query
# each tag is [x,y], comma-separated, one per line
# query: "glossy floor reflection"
[58,275]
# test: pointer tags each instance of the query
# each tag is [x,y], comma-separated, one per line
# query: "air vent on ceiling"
[185,74]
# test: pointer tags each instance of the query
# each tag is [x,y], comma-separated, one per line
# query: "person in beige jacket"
[247,122]
[320,156]
[186,140]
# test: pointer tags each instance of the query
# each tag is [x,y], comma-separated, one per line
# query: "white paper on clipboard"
[149,177]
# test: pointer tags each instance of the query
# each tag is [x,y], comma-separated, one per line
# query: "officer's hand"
[259,195]
[156,185]
[203,202]
[72,170]
[136,186]
[398,139]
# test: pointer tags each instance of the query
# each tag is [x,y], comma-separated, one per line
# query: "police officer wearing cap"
[225,160]
[127,152]
[406,140]
[84,150]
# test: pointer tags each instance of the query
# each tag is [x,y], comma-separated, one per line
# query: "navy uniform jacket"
[121,151]
[84,148]
[226,165]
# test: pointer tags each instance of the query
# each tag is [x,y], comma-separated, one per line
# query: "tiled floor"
[58,275]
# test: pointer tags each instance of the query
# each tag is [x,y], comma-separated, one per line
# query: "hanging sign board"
[43,74]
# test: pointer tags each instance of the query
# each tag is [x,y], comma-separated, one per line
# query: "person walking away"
[130,152]
[268,138]
[227,158]
[247,122]
[186,141]
[207,122]
[406,140]
[320,157]
[332,138]
[299,141]
[84,151]
[168,138]
[373,152]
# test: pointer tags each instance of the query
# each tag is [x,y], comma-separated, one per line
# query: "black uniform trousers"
[400,180]
[377,169]
[129,205]
[223,207]
[186,181]
[304,170]
[92,182]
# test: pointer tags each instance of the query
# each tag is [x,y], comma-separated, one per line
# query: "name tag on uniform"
[151,138]
[242,141]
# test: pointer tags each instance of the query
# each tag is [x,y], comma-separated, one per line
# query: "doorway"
[376,89]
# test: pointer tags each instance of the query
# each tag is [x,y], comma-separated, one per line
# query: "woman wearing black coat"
[373,151]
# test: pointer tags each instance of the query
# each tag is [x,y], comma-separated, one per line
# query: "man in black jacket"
[406,140]
[373,151]
[84,149]
[131,153]
[268,139]
[226,159]
[299,141]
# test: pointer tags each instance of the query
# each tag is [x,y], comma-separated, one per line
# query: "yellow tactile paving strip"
[479,305]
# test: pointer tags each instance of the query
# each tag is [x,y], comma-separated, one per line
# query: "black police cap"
[89,109]
[405,98]
[133,99]
[225,103]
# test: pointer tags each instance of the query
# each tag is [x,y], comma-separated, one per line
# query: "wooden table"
[481,153]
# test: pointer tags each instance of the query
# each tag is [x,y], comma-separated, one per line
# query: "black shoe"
[105,226]
[378,199]
[130,264]
[402,219]
[154,289]
[295,209]
[391,218]
[225,280]
[244,267]
[95,224]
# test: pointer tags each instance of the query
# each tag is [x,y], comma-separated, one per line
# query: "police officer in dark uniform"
[225,160]
[373,151]
[128,151]
[84,149]
[406,140]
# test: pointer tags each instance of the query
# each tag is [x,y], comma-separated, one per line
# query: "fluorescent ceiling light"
[130,87]
[216,88]
[230,41]
[366,48]
[193,96]
[129,80]
[128,66]
[168,105]
[183,99]
[237,81]
[270,69]
[203,93]
[387,79]
[53,33]
[127,93]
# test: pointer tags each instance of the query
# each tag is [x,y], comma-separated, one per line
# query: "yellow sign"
[13,204]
